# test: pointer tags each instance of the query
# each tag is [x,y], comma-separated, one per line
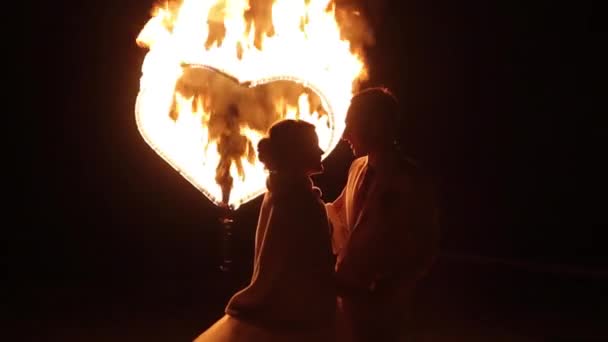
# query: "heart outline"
[333,140]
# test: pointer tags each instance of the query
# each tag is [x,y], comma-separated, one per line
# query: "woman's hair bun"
[265,153]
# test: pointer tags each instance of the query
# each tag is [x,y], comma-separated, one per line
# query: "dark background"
[500,102]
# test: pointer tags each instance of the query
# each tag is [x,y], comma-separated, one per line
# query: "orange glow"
[173,113]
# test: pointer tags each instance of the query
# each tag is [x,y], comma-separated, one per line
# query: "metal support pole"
[227,220]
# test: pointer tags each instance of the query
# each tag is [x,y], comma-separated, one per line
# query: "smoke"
[215,21]
[354,26]
[259,17]
[231,105]
[349,14]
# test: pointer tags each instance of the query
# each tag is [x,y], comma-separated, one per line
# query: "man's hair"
[377,108]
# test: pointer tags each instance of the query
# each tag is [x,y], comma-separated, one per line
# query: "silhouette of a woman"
[291,296]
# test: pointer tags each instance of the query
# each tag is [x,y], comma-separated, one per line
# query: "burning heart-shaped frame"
[207,123]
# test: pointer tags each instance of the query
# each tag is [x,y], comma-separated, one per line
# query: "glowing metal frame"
[333,140]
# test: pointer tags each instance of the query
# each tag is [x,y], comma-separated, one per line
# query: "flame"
[299,42]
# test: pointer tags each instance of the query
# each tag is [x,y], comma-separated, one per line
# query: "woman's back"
[291,296]
[292,283]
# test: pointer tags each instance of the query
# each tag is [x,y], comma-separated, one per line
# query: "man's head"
[372,121]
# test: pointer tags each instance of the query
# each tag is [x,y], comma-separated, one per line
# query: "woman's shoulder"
[296,200]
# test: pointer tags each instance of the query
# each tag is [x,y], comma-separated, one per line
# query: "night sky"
[499,99]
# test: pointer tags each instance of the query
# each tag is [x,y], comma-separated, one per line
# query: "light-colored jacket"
[393,240]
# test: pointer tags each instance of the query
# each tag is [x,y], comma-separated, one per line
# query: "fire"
[219,73]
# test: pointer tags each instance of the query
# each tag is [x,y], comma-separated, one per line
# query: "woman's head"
[292,146]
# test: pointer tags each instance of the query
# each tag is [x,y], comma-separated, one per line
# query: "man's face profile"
[312,153]
[354,133]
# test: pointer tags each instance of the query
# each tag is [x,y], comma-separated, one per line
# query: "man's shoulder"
[357,164]
[409,166]
[361,161]
[411,175]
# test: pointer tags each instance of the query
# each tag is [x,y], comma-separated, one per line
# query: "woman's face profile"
[312,153]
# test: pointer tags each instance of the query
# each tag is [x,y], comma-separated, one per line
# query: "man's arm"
[399,241]
[336,212]
[360,260]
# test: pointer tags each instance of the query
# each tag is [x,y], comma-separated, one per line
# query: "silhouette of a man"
[385,231]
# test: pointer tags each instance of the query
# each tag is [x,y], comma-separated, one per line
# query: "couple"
[340,271]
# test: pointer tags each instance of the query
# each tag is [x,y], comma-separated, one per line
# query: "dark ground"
[460,301]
